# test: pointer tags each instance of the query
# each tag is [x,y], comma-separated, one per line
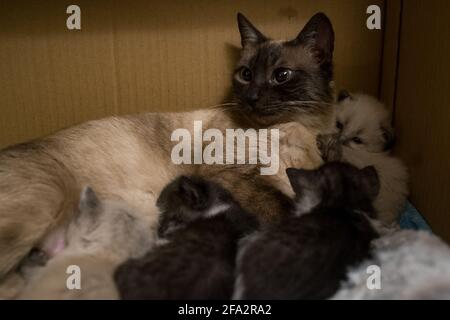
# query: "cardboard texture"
[422,111]
[138,56]
[388,79]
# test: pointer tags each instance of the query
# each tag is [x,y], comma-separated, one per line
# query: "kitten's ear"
[318,36]
[371,182]
[389,138]
[192,193]
[343,94]
[249,34]
[299,178]
[88,200]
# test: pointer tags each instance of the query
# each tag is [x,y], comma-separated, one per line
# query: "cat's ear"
[371,182]
[343,94]
[88,200]
[300,178]
[318,37]
[249,34]
[193,193]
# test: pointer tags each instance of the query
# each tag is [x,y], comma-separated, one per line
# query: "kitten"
[306,255]
[364,122]
[102,235]
[201,224]
[363,137]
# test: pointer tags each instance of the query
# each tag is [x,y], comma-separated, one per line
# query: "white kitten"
[364,123]
[101,236]
[363,137]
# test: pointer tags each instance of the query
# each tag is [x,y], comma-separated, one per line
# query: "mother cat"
[277,84]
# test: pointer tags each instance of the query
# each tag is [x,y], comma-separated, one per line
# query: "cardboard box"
[139,56]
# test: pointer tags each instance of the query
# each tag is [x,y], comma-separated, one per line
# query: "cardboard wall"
[135,56]
[422,108]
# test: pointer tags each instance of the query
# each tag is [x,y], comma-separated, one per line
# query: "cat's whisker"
[285,105]
[224,105]
[303,102]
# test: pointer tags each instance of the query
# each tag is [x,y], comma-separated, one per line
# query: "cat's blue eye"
[282,75]
[357,140]
[246,74]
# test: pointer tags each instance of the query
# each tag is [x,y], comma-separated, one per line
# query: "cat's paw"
[321,141]
[298,146]
[330,147]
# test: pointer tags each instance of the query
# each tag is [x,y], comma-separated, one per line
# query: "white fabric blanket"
[413,265]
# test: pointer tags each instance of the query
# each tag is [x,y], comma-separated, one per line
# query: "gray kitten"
[202,224]
[363,137]
[306,255]
[100,236]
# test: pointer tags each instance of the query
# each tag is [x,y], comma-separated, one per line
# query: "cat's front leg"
[297,149]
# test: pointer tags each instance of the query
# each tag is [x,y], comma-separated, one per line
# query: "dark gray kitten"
[307,254]
[202,225]
[283,81]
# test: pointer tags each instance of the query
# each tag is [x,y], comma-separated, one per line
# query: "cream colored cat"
[277,84]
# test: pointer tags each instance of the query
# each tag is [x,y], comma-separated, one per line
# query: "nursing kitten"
[363,137]
[306,255]
[102,235]
[201,224]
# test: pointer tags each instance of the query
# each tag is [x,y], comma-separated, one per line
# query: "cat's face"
[187,199]
[276,80]
[335,184]
[363,123]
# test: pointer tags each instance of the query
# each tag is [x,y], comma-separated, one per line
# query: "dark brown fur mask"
[276,80]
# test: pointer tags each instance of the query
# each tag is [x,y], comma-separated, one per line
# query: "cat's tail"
[36,192]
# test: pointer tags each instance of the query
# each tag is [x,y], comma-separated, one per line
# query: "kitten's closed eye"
[389,140]
[357,140]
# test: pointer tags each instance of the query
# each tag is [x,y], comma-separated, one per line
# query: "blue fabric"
[412,219]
